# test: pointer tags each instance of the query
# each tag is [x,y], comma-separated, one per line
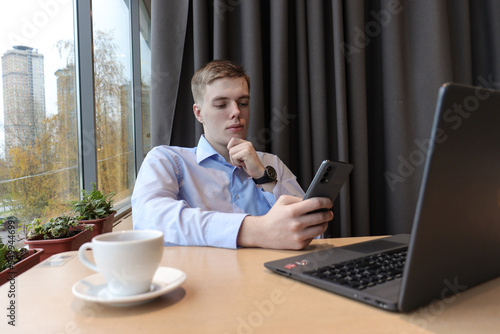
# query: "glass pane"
[145,24]
[38,117]
[113,98]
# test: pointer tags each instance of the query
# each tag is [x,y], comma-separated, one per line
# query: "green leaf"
[94,204]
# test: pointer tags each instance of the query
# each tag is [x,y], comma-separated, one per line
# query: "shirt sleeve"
[287,182]
[155,205]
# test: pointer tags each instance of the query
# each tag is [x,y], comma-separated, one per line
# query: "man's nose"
[234,110]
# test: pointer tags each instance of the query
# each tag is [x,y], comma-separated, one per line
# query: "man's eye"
[241,104]
[220,106]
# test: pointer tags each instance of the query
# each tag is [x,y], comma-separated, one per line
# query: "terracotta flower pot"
[103,225]
[31,260]
[54,246]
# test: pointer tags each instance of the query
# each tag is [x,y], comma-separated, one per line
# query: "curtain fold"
[352,80]
[168,35]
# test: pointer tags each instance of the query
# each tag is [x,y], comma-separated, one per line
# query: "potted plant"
[15,261]
[60,234]
[96,208]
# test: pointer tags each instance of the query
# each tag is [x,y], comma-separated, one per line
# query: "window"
[57,135]
[38,119]
[113,96]
[145,36]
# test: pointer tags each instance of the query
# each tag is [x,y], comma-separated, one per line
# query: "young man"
[223,193]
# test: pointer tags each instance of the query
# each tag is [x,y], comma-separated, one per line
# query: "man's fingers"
[234,142]
[301,209]
[308,205]
[313,204]
[243,154]
[237,159]
[316,218]
[315,230]
[236,152]
[288,199]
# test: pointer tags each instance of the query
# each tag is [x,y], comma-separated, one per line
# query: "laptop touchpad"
[373,246]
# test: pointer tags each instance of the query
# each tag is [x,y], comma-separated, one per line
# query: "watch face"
[271,172]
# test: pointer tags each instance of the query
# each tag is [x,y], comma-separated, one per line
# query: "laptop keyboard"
[364,272]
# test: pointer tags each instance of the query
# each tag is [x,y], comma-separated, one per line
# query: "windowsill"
[123,220]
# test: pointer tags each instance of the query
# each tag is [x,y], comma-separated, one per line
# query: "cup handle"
[83,256]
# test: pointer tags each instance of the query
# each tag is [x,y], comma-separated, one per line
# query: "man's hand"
[242,154]
[287,225]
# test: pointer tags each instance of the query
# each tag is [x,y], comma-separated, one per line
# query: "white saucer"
[93,288]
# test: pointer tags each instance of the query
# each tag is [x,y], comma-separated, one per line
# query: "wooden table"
[230,291]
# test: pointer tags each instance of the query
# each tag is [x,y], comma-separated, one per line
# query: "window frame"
[85,88]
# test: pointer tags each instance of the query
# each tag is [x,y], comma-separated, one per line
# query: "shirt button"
[237,196]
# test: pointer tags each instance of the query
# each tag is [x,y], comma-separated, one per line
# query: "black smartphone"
[329,179]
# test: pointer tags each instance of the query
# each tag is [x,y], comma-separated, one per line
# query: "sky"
[42,23]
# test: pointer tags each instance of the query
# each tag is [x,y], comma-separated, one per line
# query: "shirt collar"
[204,150]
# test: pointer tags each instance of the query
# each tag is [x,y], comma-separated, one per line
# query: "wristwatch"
[269,176]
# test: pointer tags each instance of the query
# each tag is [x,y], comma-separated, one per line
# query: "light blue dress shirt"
[196,198]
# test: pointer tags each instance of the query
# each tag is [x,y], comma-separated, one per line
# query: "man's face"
[225,112]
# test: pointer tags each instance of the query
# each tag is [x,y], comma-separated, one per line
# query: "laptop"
[455,239]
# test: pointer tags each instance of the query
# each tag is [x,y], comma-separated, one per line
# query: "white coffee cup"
[128,260]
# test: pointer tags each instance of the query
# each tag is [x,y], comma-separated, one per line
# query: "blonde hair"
[216,69]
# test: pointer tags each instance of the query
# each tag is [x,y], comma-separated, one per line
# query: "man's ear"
[197,112]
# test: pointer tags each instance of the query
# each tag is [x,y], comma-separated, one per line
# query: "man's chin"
[239,135]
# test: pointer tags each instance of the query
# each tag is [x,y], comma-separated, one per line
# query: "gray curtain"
[352,80]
